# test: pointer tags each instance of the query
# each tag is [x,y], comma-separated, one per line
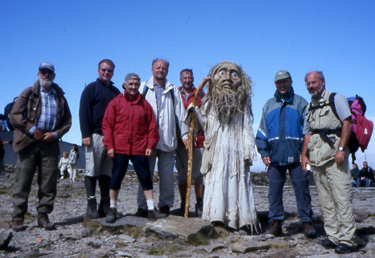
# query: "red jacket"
[200,136]
[129,126]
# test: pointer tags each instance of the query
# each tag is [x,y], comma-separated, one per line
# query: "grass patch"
[135,232]
[198,239]
[162,250]
[278,246]
[93,224]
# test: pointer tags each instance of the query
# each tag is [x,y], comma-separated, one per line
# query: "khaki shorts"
[97,161]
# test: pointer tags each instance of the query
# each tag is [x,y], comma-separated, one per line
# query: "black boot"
[91,211]
[103,207]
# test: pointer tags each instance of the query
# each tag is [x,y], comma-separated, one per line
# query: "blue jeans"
[360,182]
[300,181]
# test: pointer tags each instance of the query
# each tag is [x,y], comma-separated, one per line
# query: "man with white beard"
[229,148]
[40,116]
[327,129]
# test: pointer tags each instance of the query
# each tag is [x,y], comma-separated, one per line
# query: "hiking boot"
[91,211]
[141,213]
[18,226]
[309,230]
[343,249]
[181,211]
[275,228]
[199,209]
[111,215]
[154,214]
[43,221]
[328,244]
[103,207]
[165,210]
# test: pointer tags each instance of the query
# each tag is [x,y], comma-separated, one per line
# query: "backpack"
[362,127]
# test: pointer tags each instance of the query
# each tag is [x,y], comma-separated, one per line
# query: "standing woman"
[73,157]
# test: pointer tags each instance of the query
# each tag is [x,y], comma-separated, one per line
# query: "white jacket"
[166,120]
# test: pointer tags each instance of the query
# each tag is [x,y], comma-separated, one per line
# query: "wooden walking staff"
[191,145]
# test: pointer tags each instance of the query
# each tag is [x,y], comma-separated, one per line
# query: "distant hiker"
[73,158]
[94,100]
[41,117]
[366,176]
[355,174]
[63,164]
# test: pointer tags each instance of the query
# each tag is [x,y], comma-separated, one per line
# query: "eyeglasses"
[46,71]
[107,70]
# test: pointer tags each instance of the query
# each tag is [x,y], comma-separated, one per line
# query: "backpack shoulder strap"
[331,102]
[145,89]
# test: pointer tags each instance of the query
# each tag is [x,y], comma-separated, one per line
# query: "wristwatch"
[341,148]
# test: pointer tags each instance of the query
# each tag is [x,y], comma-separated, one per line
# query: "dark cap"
[48,66]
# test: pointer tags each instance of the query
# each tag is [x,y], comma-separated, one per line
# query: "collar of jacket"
[36,88]
[150,84]
[288,98]
[133,101]
[99,81]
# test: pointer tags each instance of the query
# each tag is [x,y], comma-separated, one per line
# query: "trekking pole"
[191,145]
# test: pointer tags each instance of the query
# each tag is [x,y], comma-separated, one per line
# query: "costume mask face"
[228,77]
[231,89]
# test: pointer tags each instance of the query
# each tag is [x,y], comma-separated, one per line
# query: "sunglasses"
[46,71]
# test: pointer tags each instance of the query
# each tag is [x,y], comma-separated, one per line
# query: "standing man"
[187,91]
[94,100]
[40,116]
[327,129]
[169,110]
[279,141]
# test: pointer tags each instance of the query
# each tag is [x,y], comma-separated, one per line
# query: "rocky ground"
[171,237]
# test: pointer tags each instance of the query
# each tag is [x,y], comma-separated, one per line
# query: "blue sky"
[336,37]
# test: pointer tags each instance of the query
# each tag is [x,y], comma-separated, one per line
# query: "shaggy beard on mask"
[228,102]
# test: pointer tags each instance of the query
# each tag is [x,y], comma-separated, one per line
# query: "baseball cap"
[280,75]
[131,75]
[46,65]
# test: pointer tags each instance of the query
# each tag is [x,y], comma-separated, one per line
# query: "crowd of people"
[148,124]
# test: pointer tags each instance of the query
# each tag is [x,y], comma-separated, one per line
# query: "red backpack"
[362,127]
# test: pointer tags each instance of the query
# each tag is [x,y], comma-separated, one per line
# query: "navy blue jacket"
[280,131]
[94,101]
